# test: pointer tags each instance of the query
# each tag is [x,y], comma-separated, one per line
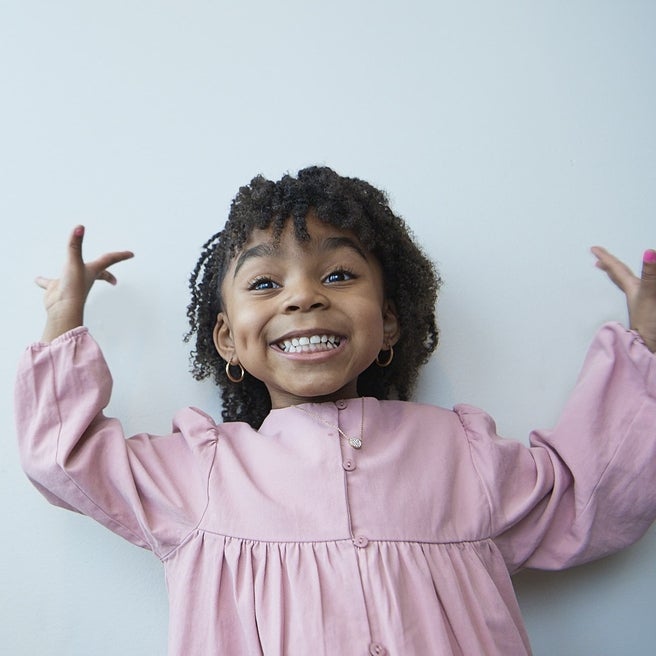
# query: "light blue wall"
[511,135]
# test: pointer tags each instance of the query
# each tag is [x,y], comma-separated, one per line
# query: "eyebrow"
[261,250]
[335,243]
[271,250]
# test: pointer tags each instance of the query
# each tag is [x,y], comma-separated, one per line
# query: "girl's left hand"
[640,292]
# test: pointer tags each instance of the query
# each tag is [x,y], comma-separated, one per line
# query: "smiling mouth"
[309,344]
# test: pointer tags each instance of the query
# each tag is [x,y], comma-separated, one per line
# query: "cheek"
[372,320]
[247,326]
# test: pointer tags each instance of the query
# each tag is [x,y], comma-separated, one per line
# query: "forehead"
[320,238]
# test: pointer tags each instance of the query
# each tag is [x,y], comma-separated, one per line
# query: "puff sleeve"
[151,490]
[588,487]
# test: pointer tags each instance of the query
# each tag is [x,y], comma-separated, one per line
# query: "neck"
[287,399]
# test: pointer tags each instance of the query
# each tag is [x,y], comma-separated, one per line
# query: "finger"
[616,270]
[100,265]
[42,282]
[107,277]
[75,244]
[106,260]
[648,279]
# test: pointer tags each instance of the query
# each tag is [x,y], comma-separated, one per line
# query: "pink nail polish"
[649,257]
[79,231]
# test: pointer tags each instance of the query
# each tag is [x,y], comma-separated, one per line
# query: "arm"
[65,297]
[587,487]
[151,490]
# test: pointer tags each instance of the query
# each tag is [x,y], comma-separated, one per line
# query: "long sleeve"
[150,490]
[588,487]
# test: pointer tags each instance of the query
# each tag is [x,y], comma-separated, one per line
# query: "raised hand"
[65,296]
[640,292]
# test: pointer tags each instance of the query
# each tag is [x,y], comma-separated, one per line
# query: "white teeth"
[309,344]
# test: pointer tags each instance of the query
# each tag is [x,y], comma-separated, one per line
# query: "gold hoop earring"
[231,378]
[388,362]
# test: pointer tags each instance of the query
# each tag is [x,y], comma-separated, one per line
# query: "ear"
[391,326]
[223,340]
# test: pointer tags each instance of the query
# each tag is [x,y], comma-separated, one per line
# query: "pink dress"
[287,540]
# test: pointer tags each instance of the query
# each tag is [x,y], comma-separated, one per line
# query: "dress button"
[341,404]
[348,464]
[361,541]
[376,649]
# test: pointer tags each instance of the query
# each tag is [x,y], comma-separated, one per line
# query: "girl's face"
[305,318]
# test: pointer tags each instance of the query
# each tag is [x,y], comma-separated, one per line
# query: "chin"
[321,392]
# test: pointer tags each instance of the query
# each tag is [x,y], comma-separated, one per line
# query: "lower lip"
[312,356]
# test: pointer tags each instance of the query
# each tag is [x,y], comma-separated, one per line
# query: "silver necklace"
[355,442]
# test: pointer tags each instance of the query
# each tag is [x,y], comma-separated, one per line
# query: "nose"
[304,295]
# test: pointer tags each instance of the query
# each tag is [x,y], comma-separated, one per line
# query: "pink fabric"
[286,540]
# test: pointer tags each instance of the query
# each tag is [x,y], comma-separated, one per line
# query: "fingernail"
[649,257]
[79,231]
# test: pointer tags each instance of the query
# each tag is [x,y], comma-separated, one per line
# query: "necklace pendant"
[355,442]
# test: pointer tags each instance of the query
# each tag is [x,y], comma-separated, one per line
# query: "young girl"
[321,518]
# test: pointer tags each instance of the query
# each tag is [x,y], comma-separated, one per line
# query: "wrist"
[58,324]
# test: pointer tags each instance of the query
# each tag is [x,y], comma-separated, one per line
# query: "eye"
[262,284]
[339,275]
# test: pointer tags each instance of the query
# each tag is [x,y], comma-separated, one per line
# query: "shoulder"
[464,426]
[409,409]
[420,417]
[199,426]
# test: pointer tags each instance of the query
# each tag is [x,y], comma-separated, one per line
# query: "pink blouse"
[287,540]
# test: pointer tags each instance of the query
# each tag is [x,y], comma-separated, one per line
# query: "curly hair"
[410,279]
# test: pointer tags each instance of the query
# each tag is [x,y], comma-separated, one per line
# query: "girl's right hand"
[640,292]
[65,296]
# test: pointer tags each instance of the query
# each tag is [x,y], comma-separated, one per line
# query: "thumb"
[642,312]
[648,276]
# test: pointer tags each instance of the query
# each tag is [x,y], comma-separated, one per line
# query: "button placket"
[354,439]
[350,453]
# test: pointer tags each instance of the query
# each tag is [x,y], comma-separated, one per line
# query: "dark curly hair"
[411,281]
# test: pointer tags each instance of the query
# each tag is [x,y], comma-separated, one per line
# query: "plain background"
[511,136]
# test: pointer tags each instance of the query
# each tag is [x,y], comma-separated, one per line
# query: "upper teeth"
[312,343]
